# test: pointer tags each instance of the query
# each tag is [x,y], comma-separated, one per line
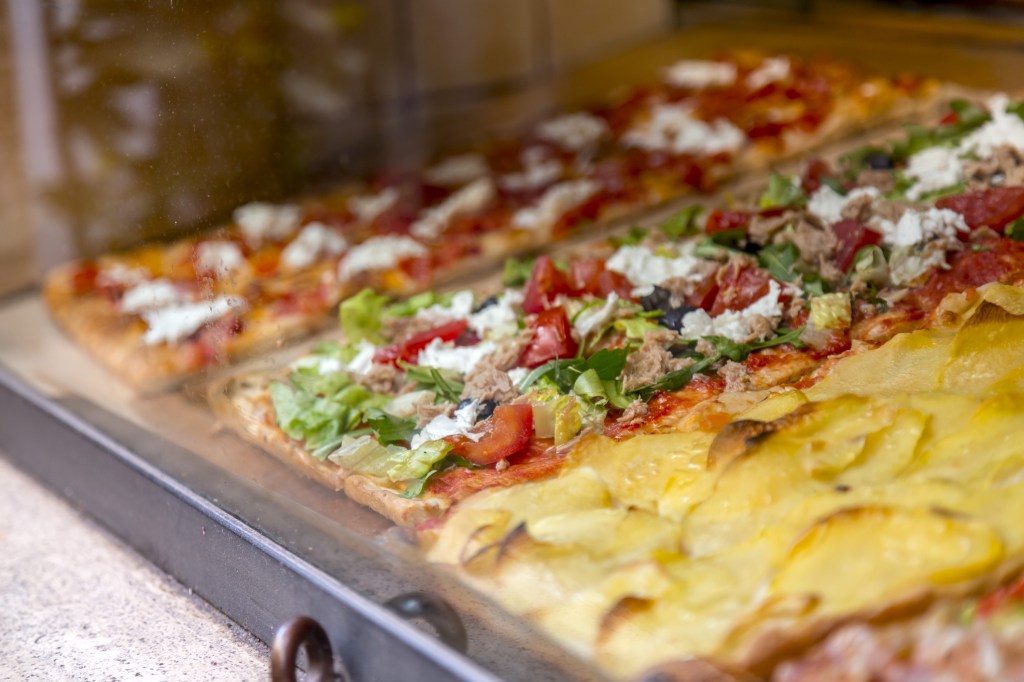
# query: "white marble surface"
[77,604]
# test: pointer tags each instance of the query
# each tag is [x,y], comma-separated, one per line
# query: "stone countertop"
[78,604]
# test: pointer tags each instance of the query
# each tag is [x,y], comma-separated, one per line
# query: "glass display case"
[123,124]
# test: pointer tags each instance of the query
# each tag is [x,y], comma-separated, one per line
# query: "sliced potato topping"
[853,499]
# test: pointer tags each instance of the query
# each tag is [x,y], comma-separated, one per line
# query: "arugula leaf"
[901,183]
[450,461]
[389,428]
[673,381]
[943,192]
[517,271]
[738,352]
[815,285]
[779,260]
[782,191]
[443,383]
[1015,230]
[1016,108]
[631,238]
[729,238]
[608,363]
[684,223]
[834,185]
[360,316]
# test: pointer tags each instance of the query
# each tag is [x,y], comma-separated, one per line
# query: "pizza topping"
[368,208]
[934,169]
[554,203]
[918,227]
[993,208]
[488,383]
[443,426]
[673,128]
[646,268]
[409,349]
[538,171]
[500,320]
[378,253]
[831,311]
[596,316]
[158,293]
[219,258]
[454,171]
[507,432]
[755,322]
[552,338]
[828,205]
[698,74]
[313,241]
[261,221]
[1004,168]
[459,359]
[1004,128]
[472,198]
[574,132]
[651,361]
[120,276]
[172,323]
[772,70]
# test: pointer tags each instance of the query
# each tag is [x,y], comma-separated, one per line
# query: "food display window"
[552,339]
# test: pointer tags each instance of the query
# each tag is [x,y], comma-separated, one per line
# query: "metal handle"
[435,611]
[300,633]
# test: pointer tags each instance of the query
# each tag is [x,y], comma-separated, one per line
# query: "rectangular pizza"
[723,447]
[161,312]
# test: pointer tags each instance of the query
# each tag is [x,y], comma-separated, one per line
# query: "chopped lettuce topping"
[360,316]
[783,191]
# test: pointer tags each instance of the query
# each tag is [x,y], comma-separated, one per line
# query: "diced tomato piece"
[1003,262]
[505,433]
[739,287]
[83,279]
[815,171]
[589,276]
[409,350]
[614,282]
[723,221]
[552,339]
[852,235]
[546,282]
[995,208]
[585,276]
[952,118]
[704,294]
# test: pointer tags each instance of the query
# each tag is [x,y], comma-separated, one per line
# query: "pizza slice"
[162,312]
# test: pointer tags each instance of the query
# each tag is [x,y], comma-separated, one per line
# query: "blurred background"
[126,122]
